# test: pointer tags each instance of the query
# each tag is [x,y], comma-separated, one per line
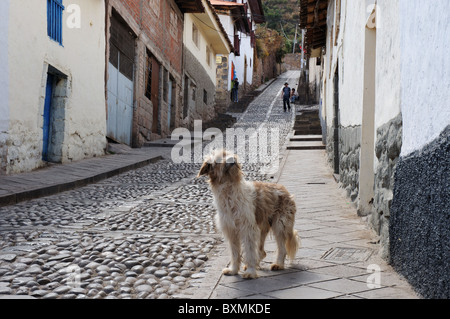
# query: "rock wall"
[349,150]
[387,149]
[419,229]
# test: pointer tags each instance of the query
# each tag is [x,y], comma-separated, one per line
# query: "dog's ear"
[204,170]
[230,162]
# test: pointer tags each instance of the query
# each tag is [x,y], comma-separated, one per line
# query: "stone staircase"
[244,101]
[221,121]
[307,134]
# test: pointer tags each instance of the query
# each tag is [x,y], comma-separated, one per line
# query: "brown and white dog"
[247,211]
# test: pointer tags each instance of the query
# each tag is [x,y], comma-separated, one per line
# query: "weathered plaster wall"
[198,108]
[81,59]
[419,223]
[425,71]
[4,86]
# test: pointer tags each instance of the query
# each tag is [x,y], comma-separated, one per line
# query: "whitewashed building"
[203,38]
[384,92]
[52,77]
[239,19]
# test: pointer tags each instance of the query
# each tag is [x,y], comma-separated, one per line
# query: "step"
[306,145]
[307,132]
[167,142]
[306,138]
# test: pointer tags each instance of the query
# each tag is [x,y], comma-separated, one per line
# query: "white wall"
[351,63]
[81,58]
[199,51]
[4,69]
[245,50]
[425,71]
[388,62]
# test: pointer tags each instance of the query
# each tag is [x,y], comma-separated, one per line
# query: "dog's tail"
[293,243]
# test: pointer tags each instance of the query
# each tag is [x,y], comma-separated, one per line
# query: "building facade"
[239,19]
[204,38]
[145,68]
[386,121]
[52,83]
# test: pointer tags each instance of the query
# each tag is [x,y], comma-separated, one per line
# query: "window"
[205,96]
[165,84]
[173,24]
[195,34]
[55,10]
[149,74]
[154,4]
[208,55]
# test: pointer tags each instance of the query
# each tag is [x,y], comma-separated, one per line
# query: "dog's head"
[221,166]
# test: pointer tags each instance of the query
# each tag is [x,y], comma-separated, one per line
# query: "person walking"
[286,95]
[235,90]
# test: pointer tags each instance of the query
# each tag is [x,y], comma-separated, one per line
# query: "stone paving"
[146,233]
[150,232]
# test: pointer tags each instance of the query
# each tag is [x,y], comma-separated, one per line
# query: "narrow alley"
[150,233]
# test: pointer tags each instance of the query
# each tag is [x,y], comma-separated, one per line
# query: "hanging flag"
[233,71]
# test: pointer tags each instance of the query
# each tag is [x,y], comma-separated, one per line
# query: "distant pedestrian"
[286,95]
[293,96]
[235,90]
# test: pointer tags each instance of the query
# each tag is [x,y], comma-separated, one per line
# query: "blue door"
[47,114]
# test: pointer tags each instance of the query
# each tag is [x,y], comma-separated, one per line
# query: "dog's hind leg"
[280,233]
[262,240]
[281,251]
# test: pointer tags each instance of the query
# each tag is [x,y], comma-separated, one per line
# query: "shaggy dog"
[247,211]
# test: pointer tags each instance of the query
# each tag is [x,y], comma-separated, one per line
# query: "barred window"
[55,10]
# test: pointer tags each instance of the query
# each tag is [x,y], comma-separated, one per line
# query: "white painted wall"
[425,71]
[4,71]
[388,62]
[245,52]
[81,58]
[351,63]
[199,51]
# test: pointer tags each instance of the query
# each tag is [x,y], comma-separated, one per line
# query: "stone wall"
[419,229]
[222,93]
[3,152]
[265,69]
[349,150]
[387,149]
[199,110]
[292,61]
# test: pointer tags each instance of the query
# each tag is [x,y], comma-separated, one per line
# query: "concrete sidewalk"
[339,254]
[62,177]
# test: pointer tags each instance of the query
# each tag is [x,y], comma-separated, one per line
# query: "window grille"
[55,10]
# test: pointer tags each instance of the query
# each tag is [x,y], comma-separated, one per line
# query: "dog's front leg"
[235,247]
[251,254]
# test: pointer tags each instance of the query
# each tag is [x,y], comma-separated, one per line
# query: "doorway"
[120,81]
[336,121]
[53,127]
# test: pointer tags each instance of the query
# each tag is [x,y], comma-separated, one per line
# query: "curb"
[15,198]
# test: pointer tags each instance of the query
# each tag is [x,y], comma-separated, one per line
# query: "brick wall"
[158,25]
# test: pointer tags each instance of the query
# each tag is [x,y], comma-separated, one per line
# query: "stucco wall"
[4,86]
[418,227]
[425,71]
[199,51]
[388,62]
[81,59]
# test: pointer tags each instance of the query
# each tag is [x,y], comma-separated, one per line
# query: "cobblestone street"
[146,233]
